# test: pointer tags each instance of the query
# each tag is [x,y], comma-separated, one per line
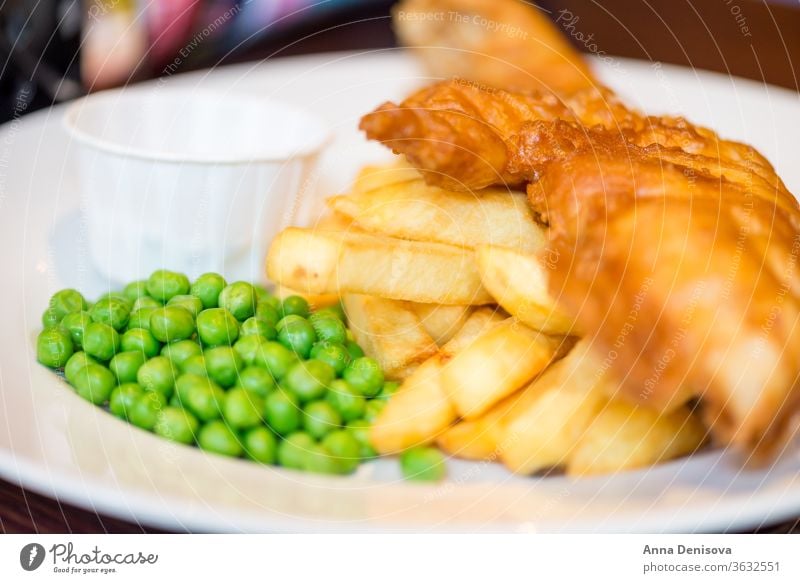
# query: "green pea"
[373,409]
[296,334]
[160,398]
[144,302]
[157,374]
[242,409]
[192,304]
[135,290]
[141,340]
[62,303]
[260,445]
[282,412]
[389,389]
[308,380]
[294,305]
[141,318]
[344,448]
[144,411]
[200,395]
[353,349]
[195,365]
[268,299]
[239,298]
[248,347]
[223,364]
[267,313]
[333,354]
[171,323]
[274,357]
[94,382]
[207,287]
[101,341]
[76,323]
[123,398]
[347,401]
[112,311]
[114,295]
[365,375]
[262,293]
[256,380]
[423,464]
[178,352]
[75,363]
[51,318]
[328,328]
[54,347]
[320,460]
[258,327]
[320,418]
[336,310]
[292,451]
[217,437]
[163,285]
[217,327]
[176,424]
[360,430]
[125,366]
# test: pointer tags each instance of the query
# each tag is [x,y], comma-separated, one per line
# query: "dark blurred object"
[356,27]
[125,40]
[757,39]
[57,49]
[38,43]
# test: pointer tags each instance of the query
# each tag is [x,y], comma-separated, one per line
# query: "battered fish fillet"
[463,136]
[502,43]
[675,249]
[688,284]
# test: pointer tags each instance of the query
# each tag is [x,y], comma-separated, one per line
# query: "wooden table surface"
[706,34]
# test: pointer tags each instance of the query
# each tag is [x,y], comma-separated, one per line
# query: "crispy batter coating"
[459,133]
[688,284]
[466,136]
[503,43]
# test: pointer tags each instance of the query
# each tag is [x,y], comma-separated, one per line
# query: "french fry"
[495,365]
[440,321]
[390,332]
[416,413]
[518,282]
[334,222]
[478,323]
[373,177]
[420,409]
[551,414]
[623,436]
[329,222]
[477,439]
[414,210]
[323,262]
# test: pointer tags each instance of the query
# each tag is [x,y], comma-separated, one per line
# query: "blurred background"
[55,50]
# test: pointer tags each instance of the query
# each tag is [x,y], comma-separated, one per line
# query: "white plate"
[53,442]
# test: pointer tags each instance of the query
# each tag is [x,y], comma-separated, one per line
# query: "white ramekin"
[188,180]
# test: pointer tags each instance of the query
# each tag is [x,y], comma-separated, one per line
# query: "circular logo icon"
[31,556]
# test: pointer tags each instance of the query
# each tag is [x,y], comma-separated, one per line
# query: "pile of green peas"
[228,367]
